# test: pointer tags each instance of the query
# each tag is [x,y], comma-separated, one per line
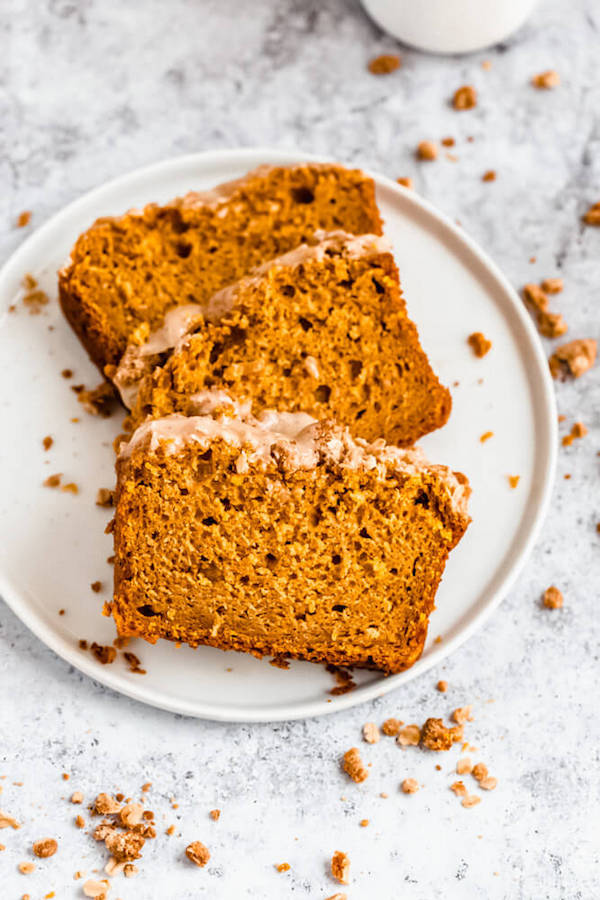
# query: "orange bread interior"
[281,536]
[323,329]
[130,270]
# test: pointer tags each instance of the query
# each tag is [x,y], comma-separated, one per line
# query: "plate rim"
[544,481]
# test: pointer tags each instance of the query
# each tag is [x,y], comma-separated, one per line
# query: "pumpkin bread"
[322,329]
[130,270]
[280,535]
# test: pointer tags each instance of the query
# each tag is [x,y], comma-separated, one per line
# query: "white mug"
[449,26]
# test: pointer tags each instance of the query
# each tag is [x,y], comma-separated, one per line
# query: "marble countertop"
[89,90]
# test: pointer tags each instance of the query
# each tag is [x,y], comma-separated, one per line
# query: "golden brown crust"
[129,270]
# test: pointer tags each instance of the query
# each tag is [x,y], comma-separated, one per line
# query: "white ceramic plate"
[53,545]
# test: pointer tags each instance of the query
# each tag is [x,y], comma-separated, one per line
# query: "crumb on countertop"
[197,853]
[24,218]
[592,216]
[427,151]
[573,359]
[353,765]
[465,97]
[553,598]
[546,80]
[370,733]
[436,736]
[340,867]
[409,786]
[385,64]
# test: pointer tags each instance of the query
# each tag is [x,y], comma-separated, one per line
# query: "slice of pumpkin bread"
[322,329]
[280,535]
[130,270]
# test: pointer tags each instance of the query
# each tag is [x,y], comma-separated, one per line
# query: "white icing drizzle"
[297,440]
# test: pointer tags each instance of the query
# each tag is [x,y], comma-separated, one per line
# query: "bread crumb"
[470,800]
[104,497]
[124,846]
[488,784]
[96,889]
[391,727]
[67,373]
[26,868]
[24,218]
[573,359]
[80,821]
[47,442]
[170,830]
[363,823]
[448,142]
[337,897]
[458,787]
[131,814]
[479,344]
[197,853]
[592,216]
[479,771]
[384,64]
[577,431]
[146,787]
[105,654]
[343,680]
[106,805]
[442,686]
[486,436]
[486,65]
[535,297]
[464,766]
[370,733]
[98,401]
[96,586]
[353,765]
[427,151]
[552,285]
[33,298]
[436,736]
[553,598]
[406,182]
[551,325]
[465,97]
[490,175]
[410,786]
[70,488]
[409,736]
[283,867]
[513,480]
[52,481]
[546,80]
[462,714]
[215,814]
[45,848]
[340,867]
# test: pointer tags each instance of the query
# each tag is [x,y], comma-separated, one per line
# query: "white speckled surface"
[89,90]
